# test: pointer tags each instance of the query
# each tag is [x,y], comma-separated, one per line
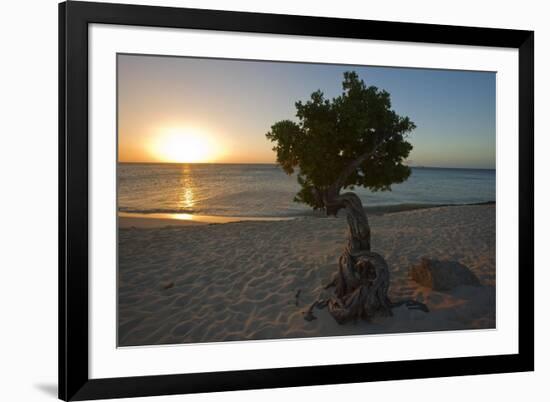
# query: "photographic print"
[266,200]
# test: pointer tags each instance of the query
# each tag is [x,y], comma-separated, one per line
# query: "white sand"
[238,281]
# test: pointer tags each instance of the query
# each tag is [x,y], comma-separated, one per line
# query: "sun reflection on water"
[186,198]
[181,217]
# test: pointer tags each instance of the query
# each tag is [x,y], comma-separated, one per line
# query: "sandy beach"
[187,282]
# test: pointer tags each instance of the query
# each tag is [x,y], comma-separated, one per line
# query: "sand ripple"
[238,281]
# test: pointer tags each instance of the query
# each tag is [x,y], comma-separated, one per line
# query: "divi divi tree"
[354,139]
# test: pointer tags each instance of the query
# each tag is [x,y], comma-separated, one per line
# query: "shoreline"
[155,220]
[132,219]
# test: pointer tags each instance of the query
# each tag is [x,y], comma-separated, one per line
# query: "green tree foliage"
[352,140]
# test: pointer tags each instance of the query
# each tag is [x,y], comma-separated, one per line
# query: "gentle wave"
[283,214]
[378,209]
[157,211]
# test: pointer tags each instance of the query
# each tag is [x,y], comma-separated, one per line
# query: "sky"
[179,109]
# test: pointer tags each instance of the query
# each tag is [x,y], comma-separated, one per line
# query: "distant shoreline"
[150,220]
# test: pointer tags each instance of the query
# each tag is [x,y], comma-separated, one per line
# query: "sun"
[184,146]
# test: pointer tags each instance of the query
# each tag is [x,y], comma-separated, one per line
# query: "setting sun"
[184,146]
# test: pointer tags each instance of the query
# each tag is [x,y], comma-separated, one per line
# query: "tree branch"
[348,170]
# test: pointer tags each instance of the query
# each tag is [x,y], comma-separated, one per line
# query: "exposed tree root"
[362,281]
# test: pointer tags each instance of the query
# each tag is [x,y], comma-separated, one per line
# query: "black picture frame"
[74,18]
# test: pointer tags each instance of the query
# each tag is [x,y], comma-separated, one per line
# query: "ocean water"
[264,190]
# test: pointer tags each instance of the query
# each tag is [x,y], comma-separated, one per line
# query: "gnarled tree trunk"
[362,280]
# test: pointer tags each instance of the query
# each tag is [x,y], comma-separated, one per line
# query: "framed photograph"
[256,200]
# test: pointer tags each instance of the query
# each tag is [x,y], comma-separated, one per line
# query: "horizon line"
[276,164]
